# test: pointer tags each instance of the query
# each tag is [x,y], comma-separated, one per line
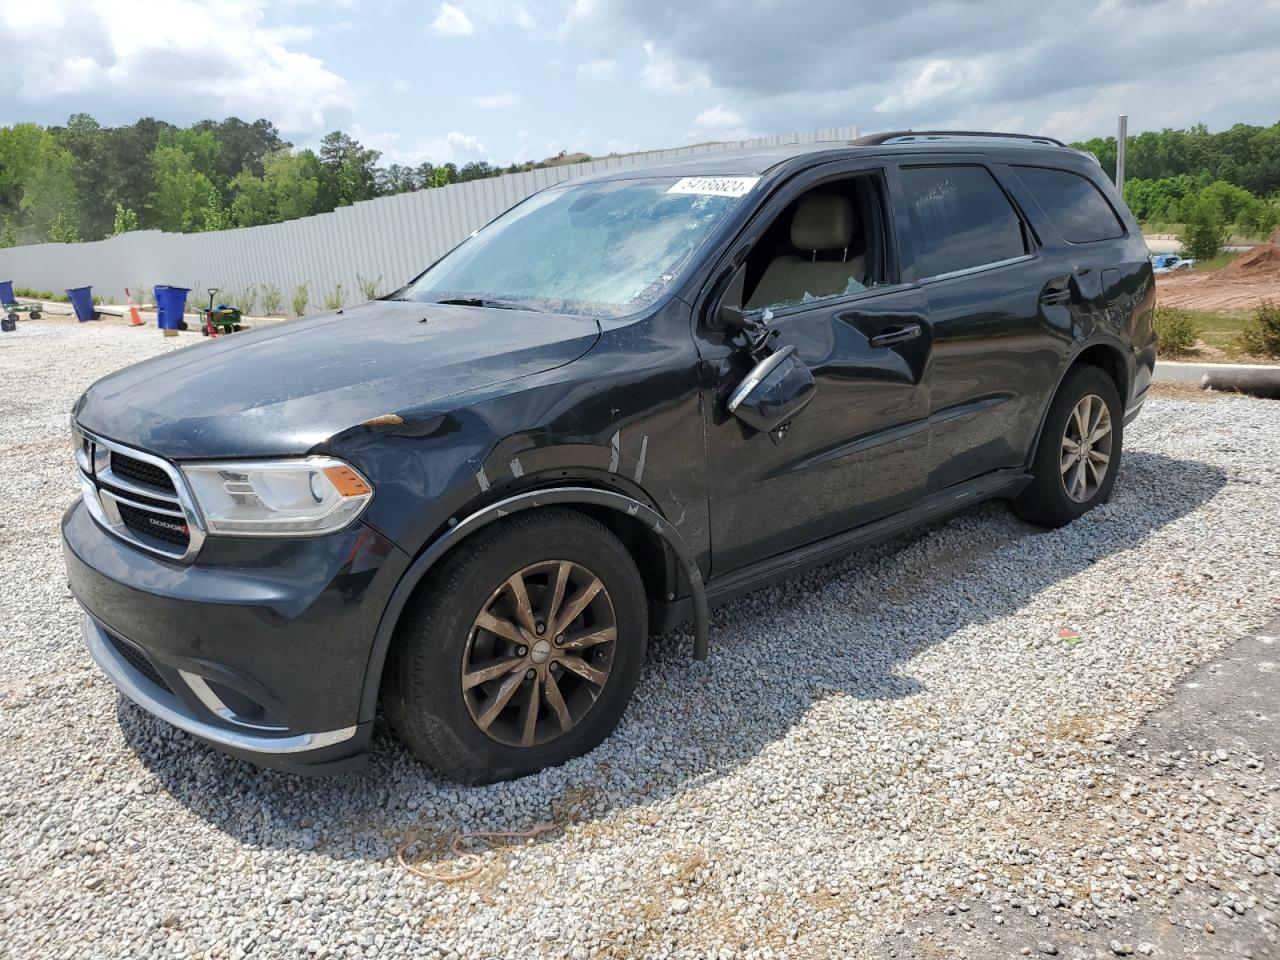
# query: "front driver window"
[824,245]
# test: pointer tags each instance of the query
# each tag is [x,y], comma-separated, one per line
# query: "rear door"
[994,308]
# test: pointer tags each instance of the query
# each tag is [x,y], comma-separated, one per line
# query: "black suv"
[628,398]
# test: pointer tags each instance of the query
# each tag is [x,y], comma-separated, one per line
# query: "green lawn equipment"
[220,320]
[11,310]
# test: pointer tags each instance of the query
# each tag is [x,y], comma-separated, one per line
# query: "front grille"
[161,526]
[138,660]
[139,471]
[139,499]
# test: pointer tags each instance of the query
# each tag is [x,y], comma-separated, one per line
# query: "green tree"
[125,220]
[1228,199]
[1205,231]
[294,182]
[181,192]
[251,201]
[37,183]
[63,229]
[349,171]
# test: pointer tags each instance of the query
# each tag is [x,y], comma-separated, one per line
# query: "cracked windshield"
[601,249]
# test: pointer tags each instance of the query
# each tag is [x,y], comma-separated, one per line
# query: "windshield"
[606,249]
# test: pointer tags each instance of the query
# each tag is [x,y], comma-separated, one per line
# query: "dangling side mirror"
[774,392]
[729,315]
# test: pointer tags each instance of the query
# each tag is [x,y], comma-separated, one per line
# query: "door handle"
[896,335]
[1056,291]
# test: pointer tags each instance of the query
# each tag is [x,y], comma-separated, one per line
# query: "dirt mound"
[1262,260]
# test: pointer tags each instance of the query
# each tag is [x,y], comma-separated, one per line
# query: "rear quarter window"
[1072,203]
[960,218]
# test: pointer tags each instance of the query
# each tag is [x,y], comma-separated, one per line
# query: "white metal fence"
[389,239]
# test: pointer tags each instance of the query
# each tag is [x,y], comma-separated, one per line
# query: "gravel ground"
[899,737]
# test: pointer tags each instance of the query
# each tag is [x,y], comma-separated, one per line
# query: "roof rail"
[911,136]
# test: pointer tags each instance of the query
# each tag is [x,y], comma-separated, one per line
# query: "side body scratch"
[644,452]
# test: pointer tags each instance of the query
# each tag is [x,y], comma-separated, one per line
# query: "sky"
[518,80]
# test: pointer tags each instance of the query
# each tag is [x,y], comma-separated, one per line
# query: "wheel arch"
[643,531]
[1104,354]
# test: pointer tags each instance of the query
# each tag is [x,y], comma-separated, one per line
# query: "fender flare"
[514,504]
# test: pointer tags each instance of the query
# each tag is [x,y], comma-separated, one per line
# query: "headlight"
[277,497]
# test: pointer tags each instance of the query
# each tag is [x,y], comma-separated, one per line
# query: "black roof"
[755,161]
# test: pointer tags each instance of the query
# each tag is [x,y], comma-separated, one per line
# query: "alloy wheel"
[1086,448]
[539,653]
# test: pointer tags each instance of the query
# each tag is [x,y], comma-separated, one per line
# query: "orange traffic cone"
[134,319]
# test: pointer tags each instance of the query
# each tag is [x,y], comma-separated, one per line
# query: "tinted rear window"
[960,218]
[1072,203]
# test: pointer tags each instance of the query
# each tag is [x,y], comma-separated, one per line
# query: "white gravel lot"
[884,738]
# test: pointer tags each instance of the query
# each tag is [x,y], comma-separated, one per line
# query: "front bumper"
[260,649]
[163,703]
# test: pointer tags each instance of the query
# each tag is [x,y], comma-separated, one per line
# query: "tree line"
[84,181]
[1204,184]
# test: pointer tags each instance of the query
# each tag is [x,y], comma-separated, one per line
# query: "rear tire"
[1070,477]
[538,708]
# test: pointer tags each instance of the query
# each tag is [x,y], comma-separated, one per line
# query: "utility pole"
[1122,137]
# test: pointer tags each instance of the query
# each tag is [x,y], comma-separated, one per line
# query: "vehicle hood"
[287,388]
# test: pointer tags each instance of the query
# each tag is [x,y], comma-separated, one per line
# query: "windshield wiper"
[479,302]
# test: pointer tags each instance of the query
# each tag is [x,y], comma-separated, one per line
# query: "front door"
[856,453]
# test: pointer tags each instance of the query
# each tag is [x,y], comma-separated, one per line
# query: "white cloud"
[598,70]
[496,101]
[138,58]
[401,86]
[451,21]
[717,117]
[670,74]
[934,81]
[464,17]
[453,147]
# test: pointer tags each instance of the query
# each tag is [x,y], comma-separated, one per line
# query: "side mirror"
[729,316]
[776,389]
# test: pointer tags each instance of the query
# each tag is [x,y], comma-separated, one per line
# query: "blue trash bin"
[161,312]
[171,304]
[6,292]
[82,300]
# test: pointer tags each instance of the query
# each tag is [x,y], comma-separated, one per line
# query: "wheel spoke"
[576,604]
[1093,420]
[580,641]
[1099,432]
[1076,483]
[557,592]
[1096,471]
[1082,418]
[585,670]
[1068,461]
[494,705]
[556,701]
[529,714]
[524,612]
[503,628]
[1099,457]
[1070,445]
[491,671]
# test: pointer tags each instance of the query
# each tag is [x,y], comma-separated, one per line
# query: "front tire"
[1078,455]
[522,651]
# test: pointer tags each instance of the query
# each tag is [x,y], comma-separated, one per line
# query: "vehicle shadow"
[849,629]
